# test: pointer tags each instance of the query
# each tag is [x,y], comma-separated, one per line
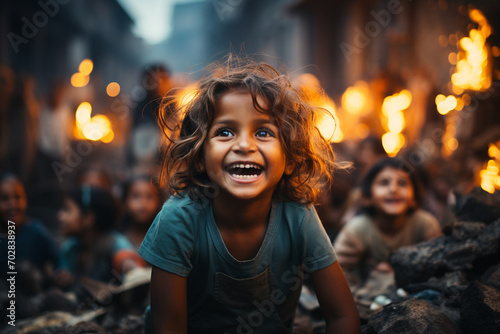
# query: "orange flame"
[92,128]
[473,70]
[394,121]
[490,176]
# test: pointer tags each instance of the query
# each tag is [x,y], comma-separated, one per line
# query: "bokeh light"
[93,128]
[79,80]
[86,67]
[113,89]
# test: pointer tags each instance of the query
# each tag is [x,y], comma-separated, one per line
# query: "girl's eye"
[264,133]
[403,183]
[383,182]
[223,133]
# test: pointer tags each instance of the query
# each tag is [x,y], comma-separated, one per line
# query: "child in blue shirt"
[232,246]
[23,238]
[92,247]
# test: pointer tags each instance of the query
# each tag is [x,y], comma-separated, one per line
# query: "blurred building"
[384,47]
[381,49]
[48,39]
[206,31]
[44,45]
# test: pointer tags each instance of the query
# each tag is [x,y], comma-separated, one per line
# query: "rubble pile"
[451,285]
[89,307]
[453,281]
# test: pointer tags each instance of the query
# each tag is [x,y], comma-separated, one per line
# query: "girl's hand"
[385,267]
[126,260]
[336,301]
[128,264]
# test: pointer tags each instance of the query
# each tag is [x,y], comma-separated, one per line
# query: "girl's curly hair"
[186,128]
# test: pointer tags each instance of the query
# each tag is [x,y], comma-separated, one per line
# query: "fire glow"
[328,123]
[356,99]
[472,71]
[490,176]
[185,96]
[92,128]
[326,117]
[394,121]
[472,68]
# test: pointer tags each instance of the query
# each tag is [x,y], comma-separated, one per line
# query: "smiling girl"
[391,219]
[231,247]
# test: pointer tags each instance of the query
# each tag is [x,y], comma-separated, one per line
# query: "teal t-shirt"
[225,295]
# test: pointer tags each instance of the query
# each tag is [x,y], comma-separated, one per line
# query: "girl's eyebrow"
[224,122]
[260,121]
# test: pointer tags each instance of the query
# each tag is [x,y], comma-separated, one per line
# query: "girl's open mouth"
[244,171]
[393,201]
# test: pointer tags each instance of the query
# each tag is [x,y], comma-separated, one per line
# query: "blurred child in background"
[92,248]
[94,176]
[141,205]
[391,219]
[33,242]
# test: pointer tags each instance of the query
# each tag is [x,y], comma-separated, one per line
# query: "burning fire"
[393,121]
[490,176]
[472,68]
[92,128]
[472,71]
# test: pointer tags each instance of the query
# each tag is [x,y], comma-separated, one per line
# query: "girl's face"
[243,154]
[13,201]
[392,192]
[142,202]
[71,218]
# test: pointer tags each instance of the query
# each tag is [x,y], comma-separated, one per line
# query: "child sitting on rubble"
[391,219]
[92,248]
[231,247]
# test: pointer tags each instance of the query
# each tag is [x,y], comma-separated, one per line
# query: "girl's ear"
[289,168]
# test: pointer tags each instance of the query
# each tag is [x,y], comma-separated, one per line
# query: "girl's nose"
[244,144]
[393,186]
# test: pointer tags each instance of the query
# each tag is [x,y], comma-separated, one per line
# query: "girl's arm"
[168,302]
[349,248]
[336,301]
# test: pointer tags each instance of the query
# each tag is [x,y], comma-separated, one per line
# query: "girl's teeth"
[245,166]
[244,176]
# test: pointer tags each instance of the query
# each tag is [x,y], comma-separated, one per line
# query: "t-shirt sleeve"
[169,242]
[318,249]
[350,245]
